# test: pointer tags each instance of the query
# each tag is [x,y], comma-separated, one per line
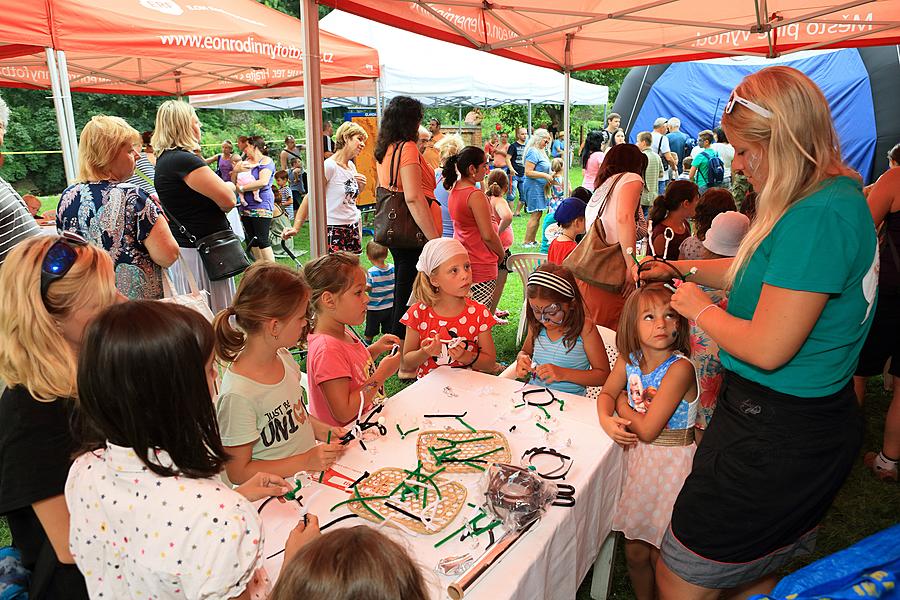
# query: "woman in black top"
[192,193]
[50,289]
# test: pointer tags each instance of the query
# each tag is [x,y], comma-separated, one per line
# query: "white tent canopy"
[418,66]
[435,72]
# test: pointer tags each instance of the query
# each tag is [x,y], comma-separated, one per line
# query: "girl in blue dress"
[562,350]
[655,423]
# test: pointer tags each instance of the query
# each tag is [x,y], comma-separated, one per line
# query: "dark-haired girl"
[149,515]
[671,211]
[471,214]
[562,350]
[396,149]
[591,159]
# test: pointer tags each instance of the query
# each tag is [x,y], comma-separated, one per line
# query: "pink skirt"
[653,477]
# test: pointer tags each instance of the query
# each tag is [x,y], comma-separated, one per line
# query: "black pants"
[256,231]
[404,274]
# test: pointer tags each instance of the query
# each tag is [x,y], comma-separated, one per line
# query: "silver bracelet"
[703,310]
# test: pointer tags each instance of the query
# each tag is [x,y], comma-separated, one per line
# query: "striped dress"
[546,351]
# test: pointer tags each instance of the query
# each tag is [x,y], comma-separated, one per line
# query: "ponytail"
[228,341]
[498,183]
[449,171]
[658,210]
[267,291]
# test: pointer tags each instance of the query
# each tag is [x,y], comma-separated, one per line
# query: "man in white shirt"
[661,147]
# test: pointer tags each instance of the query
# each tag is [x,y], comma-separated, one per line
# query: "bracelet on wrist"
[703,310]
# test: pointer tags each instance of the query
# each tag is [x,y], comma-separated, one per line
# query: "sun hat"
[726,232]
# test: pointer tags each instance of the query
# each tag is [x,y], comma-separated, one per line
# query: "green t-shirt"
[273,417]
[825,243]
[701,161]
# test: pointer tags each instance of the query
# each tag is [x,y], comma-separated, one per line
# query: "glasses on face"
[59,259]
[735,99]
[553,314]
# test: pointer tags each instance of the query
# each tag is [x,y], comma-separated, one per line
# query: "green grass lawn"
[863,507]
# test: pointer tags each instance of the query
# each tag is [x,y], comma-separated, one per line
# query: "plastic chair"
[524,264]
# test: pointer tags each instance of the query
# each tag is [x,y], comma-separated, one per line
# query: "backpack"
[715,170]
[689,144]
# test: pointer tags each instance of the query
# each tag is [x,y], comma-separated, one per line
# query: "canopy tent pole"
[378,101]
[459,122]
[566,115]
[315,152]
[65,86]
[60,116]
[566,142]
[530,130]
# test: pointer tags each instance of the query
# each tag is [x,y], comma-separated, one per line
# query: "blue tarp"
[697,92]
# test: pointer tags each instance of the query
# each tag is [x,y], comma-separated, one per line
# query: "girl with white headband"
[562,350]
[445,326]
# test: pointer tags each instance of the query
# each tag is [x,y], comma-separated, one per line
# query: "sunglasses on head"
[552,314]
[735,99]
[59,259]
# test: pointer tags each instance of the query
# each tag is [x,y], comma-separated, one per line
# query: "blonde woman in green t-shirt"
[787,427]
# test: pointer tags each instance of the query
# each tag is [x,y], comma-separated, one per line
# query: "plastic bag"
[516,495]
[867,569]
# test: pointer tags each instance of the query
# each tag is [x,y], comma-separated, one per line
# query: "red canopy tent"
[161,47]
[572,35]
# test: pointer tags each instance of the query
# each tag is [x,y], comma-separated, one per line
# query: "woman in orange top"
[400,125]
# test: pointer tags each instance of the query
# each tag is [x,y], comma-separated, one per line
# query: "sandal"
[884,474]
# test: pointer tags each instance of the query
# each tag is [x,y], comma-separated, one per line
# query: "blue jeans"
[520,187]
[662,187]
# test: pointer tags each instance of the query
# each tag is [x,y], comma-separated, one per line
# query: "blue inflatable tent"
[861,85]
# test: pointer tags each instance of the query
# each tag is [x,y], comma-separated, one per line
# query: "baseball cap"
[569,210]
[726,232]
[660,121]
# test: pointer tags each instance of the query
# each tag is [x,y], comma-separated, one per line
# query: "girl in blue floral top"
[655,423]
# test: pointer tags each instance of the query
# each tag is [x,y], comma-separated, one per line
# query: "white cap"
[659,121]
[726,232]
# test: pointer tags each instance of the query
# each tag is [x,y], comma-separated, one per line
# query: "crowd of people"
[732,334]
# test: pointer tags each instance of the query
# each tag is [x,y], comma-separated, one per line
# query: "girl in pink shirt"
[341,370]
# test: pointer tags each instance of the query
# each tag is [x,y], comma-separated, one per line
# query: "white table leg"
[603,567]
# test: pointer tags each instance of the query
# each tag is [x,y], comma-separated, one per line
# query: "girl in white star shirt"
[150,516]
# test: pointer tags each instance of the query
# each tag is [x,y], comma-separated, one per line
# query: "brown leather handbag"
[596,261]
[394,225]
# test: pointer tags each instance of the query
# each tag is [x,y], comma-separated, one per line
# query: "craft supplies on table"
[557,551]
